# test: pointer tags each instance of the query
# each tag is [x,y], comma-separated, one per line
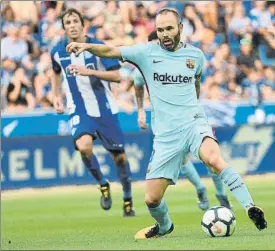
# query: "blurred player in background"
[91,106]
[172,70]
[188,169]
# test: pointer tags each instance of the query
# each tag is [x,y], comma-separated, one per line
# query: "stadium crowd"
[238,39]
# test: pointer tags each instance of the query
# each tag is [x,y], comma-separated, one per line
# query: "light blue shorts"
[169,152]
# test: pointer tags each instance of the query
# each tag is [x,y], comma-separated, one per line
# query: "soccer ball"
[218,221]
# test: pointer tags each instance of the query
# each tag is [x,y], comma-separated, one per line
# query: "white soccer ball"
[218,221]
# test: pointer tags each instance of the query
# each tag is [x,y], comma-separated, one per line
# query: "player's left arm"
[109,75]
[139,83]
[198,84]
[201,64]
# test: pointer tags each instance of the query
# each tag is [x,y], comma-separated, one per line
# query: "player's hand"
[142,119]
[76,47]
[79,70]
[58,104]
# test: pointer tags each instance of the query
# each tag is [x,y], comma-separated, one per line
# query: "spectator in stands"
[252,88]
[125,97]
[50,28]
[269,76]
[42,81]
[90,9]
[268,89]
[112,18]
[128,14]
[225,10]
[215,93]
[33,47]
[259,16]
[209,12]
[193,25]
[239,24]
[234,91]
[247,60]
[26,12]
[140,34]
[7,19]
[142,18]
[261,19]
[267,48]
[208,43]
[19,95]
[12,47]
[58,6]
[14,52]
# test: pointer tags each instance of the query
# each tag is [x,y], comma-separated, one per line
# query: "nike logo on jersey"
[157,61]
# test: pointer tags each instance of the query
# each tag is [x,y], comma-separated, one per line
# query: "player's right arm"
[56,85]
[136,54]
[100,50]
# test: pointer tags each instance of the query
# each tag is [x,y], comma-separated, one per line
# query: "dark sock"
[93,166]
[124,174]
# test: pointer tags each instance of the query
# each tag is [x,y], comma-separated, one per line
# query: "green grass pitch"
[73,220]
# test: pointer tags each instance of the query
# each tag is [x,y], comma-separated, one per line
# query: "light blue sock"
[220,191]
[237,187]
[160,214]
[190,172]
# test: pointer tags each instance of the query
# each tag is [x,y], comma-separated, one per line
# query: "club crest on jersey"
[190,63]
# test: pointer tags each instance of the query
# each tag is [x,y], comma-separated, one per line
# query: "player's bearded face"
[170,42]
[168,31]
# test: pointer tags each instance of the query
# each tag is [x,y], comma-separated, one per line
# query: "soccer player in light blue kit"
[91,106]
[172,71]
[188,170]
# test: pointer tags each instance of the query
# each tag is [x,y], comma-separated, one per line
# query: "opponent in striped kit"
[91,106]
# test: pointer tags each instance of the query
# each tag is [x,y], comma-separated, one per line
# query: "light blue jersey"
[138,78]
[178,120]
[170,79]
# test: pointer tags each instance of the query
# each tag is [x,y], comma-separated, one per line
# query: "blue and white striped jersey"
[85,94]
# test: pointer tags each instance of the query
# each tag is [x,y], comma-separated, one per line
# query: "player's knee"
[120,159]
[84,146]
[85,149]
[215,162]
[152,200]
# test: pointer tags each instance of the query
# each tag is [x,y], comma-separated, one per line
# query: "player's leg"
[220,191]
[210,154]
[190,172]
[124,174]
[154,191]
[84,146]
[83,131]
[163,170]
[112,139]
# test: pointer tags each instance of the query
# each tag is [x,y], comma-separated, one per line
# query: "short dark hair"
[152,36]
[170,10]
[70,12]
